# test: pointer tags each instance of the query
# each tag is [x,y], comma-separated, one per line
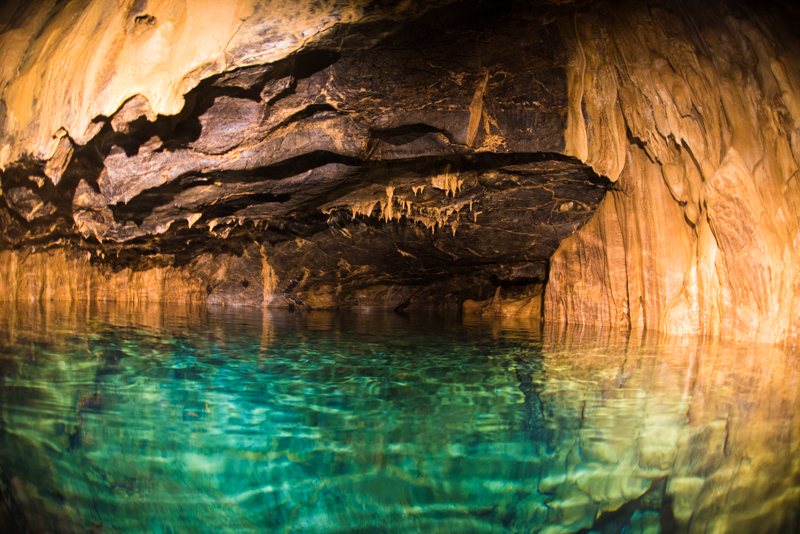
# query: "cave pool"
[174,420]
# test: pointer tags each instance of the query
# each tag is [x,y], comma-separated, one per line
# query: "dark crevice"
[518,283]
[483,161]
[305,113]
[632,139]
[298,66]
[405,134]
[307,63]
[287,168]
[143,204]
[174,131]
[84,164]
[148,20]
[232,206]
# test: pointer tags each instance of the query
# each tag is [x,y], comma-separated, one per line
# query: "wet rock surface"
[386,165]
[693,116]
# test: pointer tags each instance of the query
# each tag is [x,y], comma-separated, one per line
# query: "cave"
[506,155]
[540,160]
[572,165]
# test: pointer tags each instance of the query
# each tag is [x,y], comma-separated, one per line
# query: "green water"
[178,420]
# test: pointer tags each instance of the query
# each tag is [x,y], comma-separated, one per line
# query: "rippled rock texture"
[693,113]
[330,155]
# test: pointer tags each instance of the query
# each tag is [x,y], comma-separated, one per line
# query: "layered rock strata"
[376,164]
[418,155]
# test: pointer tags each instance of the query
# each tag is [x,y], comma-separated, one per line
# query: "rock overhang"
[408,155]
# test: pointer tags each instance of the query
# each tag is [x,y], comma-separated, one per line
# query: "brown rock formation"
[418,155]
[376,164]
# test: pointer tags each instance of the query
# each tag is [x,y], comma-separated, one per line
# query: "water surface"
[169,419]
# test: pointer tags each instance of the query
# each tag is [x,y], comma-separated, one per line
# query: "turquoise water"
[200,420]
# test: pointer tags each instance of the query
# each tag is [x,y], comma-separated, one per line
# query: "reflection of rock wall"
[694,112]
[713,421]
[525,303]
[550,431]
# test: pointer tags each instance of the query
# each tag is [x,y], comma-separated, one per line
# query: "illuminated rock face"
[694,116]
[340,155]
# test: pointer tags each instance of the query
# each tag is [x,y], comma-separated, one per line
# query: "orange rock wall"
[692,110]
[60,276]
[64,275]
[694,113]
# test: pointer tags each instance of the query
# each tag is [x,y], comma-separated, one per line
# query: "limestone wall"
[65,64]
[694,112]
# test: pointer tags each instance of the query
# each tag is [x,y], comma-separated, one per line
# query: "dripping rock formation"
[611,163]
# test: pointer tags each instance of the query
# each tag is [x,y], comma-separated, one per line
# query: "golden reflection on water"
[720,420]
[702,434]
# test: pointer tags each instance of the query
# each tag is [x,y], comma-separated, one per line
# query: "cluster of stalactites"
[398,203]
